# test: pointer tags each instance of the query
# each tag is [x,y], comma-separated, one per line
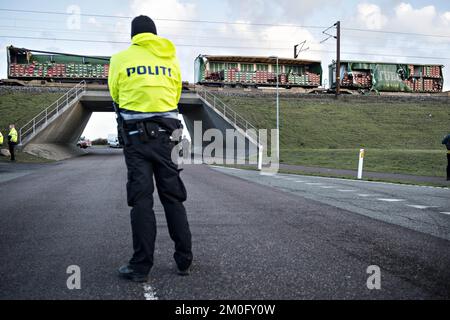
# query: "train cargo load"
[26,64]
[365,76]
[249,71]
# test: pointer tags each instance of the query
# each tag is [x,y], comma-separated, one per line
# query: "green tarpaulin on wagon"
[385,77]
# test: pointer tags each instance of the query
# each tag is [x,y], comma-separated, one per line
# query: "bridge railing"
[51,112]
[228,113]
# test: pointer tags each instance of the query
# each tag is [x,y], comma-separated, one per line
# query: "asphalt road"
[254,237]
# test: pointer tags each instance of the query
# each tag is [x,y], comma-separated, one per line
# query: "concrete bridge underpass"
[54,134]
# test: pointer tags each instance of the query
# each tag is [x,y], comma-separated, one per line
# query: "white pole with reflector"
[260,157]
[361,163]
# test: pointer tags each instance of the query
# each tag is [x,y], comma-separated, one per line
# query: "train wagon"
[250,71]
[366,76]
[26,65]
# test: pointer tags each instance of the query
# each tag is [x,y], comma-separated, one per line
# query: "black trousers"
[143,162]
[448,166]
[12,146]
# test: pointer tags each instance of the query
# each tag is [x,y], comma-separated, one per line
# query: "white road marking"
[314,183]
[391,200]
[346,190]
[376,182]
[149,292]
[299,181]
[345,180]
[365,195]
[327,187]
[421,207]
[446,213]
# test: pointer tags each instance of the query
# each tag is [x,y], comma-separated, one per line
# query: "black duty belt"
[143,131]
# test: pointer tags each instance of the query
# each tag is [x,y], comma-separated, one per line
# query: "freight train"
[365,76]
[28,66]
[257,71]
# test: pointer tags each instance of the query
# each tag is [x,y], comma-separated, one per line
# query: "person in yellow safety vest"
[12,141]
[1,139]
[145,82]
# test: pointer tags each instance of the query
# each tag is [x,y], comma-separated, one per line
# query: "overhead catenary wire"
[202,29]
[226,22]
[53,30]
[227,47]
[164,19]
[349,44]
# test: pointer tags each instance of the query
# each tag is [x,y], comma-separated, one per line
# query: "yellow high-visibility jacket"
[13,134]
[146,77]
[1,139]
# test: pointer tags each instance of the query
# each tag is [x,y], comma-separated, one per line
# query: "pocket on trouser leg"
[138,187]
[182,193]
[172,188]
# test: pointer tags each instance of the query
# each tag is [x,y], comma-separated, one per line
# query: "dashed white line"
[448,213]
[421,207]
[365,195]
[299,181]
[341,179]
[327,187]
[391,200]
[314,183]
[346,190]
[149,292]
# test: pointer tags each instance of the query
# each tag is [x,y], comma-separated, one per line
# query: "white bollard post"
[361,163]
[260,155]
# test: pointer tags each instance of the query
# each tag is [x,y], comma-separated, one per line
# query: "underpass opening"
[93,117]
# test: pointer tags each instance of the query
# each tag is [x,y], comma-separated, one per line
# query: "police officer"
[446,142]
[12,141]
[145,83]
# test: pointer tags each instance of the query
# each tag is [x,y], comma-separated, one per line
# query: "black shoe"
[184,272]
[127,273]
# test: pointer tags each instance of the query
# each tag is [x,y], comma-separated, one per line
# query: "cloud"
[271,40]
[280,11]
[419,20]
[446,18]
[370,16]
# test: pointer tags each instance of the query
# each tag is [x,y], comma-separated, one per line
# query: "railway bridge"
[53,134]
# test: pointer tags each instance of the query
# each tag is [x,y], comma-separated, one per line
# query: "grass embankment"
[399,137]
[19,108]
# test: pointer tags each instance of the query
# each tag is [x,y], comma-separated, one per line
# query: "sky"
[242,27]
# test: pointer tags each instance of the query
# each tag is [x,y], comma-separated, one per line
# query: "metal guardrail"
[236,119]
[51,112]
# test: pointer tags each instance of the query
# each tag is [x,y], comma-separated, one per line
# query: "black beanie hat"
[142,24]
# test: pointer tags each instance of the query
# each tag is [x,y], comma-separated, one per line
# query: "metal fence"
[50,113]
[228,113]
